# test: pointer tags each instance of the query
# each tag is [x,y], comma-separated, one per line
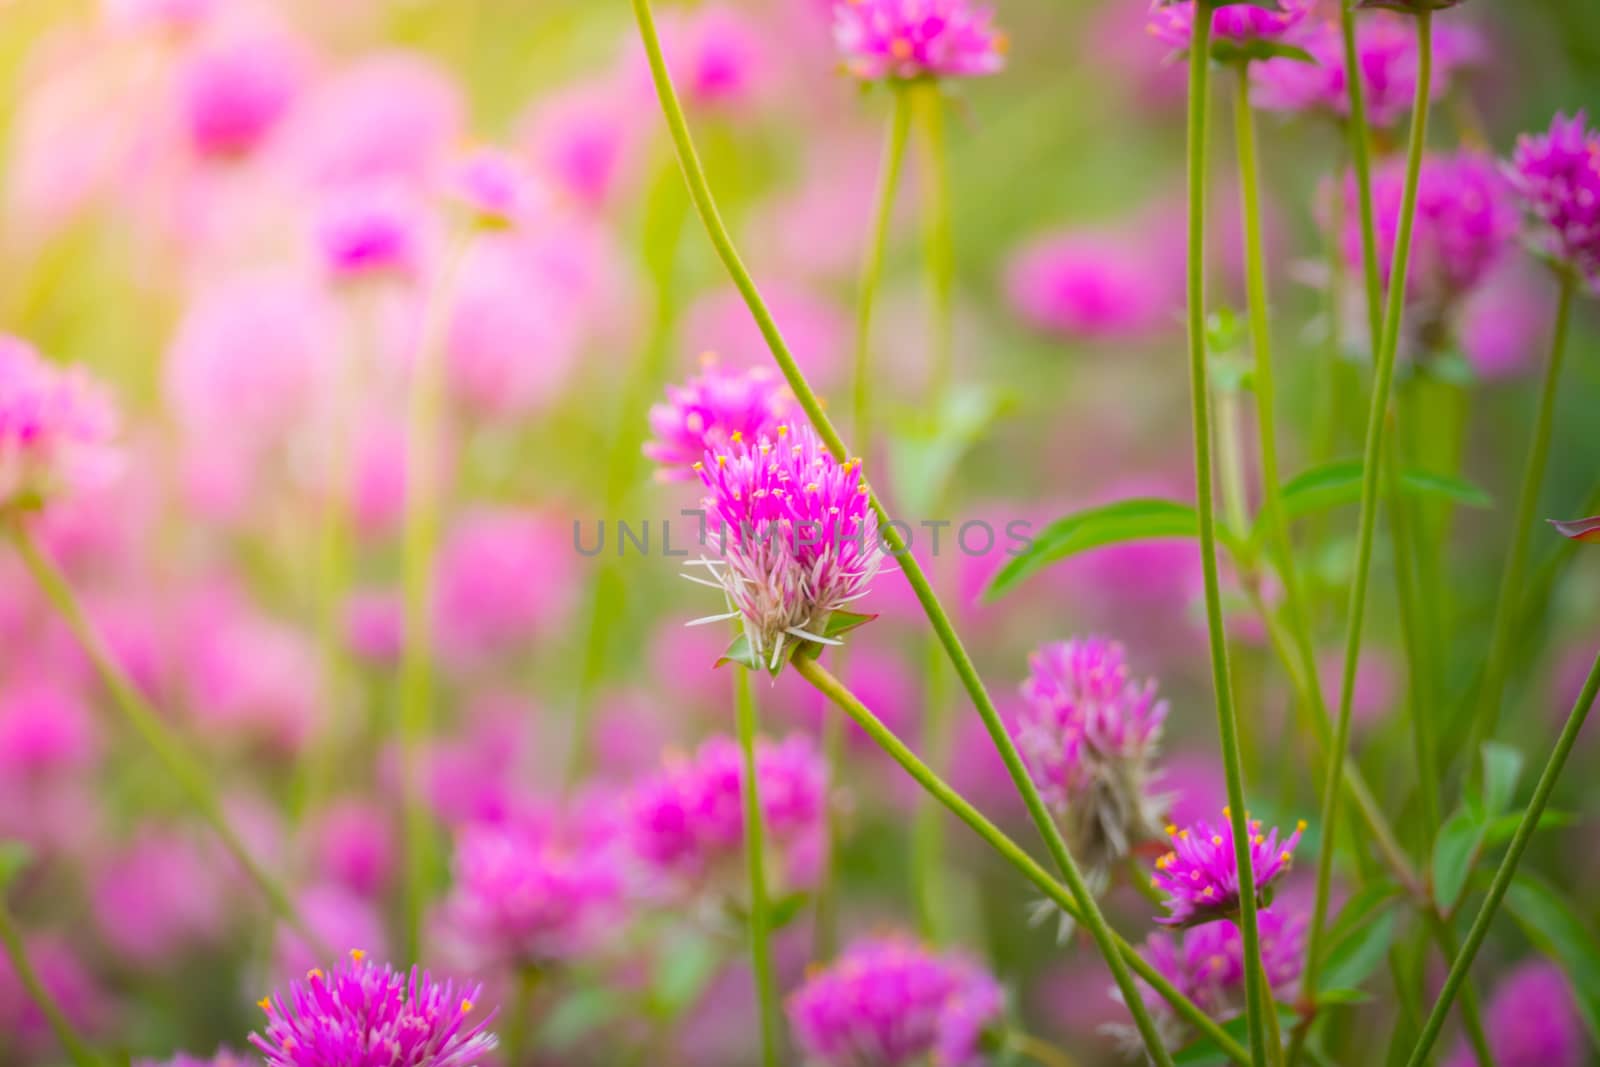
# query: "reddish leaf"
[1579,529]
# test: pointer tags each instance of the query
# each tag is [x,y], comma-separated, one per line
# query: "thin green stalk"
[1471,1014]
[17,952]
[185,770]
[937,240]
[1038,1050]
[1417,660]
[927,831]
[894,152]
[1383,375]
[419,541]
[1222,682]
[825,939]
[938,618]
[755,862]
[1508,868]
[1511,583]
[1012,853]
[520,1023]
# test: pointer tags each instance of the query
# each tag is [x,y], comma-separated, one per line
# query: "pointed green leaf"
[1140,519]
[1336,484]
[1558,931]
[1502,766]
[1455,850]
[1359,939]
[742,654]
[842,622]
[1502,829]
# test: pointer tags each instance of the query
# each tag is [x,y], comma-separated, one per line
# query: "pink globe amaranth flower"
[502,578]
[530,896]
[1557,176]
[1502,326]
[158,898]
[480,774]
[352,842]
[587,140]
[793,536]
[1087,286]
[56,429]
[685,825]
[369,228]
[1206,963]
[364,1015]
[707,411]
[337,916]
[374,624]
[1201,876]
[1386,55]
[889,1002]
[1088,733]
[818,335]
[45,726]
[237,90]
[1532,1021]
[906,39]
[1377,684]
[1239,24]
[494,187]
[1465,221]
[69,984]
[718,58]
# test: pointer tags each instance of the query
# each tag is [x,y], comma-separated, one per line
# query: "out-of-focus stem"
[1011,852]
[927,832]
[17,952]
[756,865]
[938,617]
[1462,963]
[937,239]
[146,722]
[418,546]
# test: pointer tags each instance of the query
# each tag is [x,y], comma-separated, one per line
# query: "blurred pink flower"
[504,577]
[338,916]
[367,228]
[495,187]
[718,57]
[1504,322]
[815,330]
[917,38]
[587,139]
[1377,684]
[45,726]
[56,428]
[375,625]
[353,845]
[237,90]
[1088,286]
[1173,23]
[158,897]
[70,985]
[1532,1021]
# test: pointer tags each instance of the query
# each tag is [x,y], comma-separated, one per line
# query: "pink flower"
[709,411]
[1206,963]
[158,897]
[1085,286]
[353,845]
[817,335]
[44,726]
[70,985]
[56,428]
[906,39]
[503,577]
[1532,1021]
[494,187]
[368,228]
[1503,324]
[338,916]
[236,92]
[587,140]
[1201,875]
[718,57]
[1173,23]
[1557,175]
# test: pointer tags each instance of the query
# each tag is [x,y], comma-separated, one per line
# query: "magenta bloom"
[586,139]
[222,1058]
[917,39]
[1532,1021]
[888,1002]
[495,187]
[1084,286]
[1173,23]
[69,983]
[368,228]
[686,824]
[526,897]
[795,537]
[363,1015]
[1201,876]
[717,56]
[1087,732]
[708,411]
[1386,56]
[499,583]
[1206,964]
[1557,175]
[56,428]
[237,92]
[1464,223]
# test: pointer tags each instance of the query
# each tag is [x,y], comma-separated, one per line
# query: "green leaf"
[1204,1052]
[1335,484]
[14,859]
[1346,996]
[1558,932]
[1227,50]
[742,654]
[1503,828]
[787,909]
[926,446]
[1455,850]
[1502,766]
[1140,519]
[842,622]
[682,974]
[1360,938]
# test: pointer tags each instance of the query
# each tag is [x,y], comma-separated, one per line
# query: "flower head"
[795,536]
[1087,733]
[1173,23]
[1532,1021]
[705,413]
[1206,964]
[1087,286]
[526,896]
[686,823]
[369,228]
[1201,874]
[888,1002]
[237,92]
[364,1015]
[905,39]
[56,426]
[1557,176]
[494,187]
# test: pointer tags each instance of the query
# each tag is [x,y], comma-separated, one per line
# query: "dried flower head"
[1200,875]
[1557,176]
[907,39]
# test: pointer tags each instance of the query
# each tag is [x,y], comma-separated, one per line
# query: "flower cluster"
[1532,1021]
[1088,732]
[1557,176]
[1200,875]
[907,39]
[364,1015]
[1173,23]
[56,428]
[888,1002]
[795,535]
[686,823]
[706,412]
[1206,963]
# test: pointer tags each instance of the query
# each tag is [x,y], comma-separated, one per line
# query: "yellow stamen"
[265,1004]
[357,955]
[1216,839]
[466,1007]
[1171,829]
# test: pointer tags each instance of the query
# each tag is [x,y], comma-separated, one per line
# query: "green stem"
[519,1026]
[419,540]
[938,242]
[1038,1050]
[1508,868]
[1418,669]
[1471,1014]
[755,862]
[927,832]
[1511,584]
[189,774]
[1383,375]
[872,265]
[1014,854]
[1222,683]
[938,618]
[11,940]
